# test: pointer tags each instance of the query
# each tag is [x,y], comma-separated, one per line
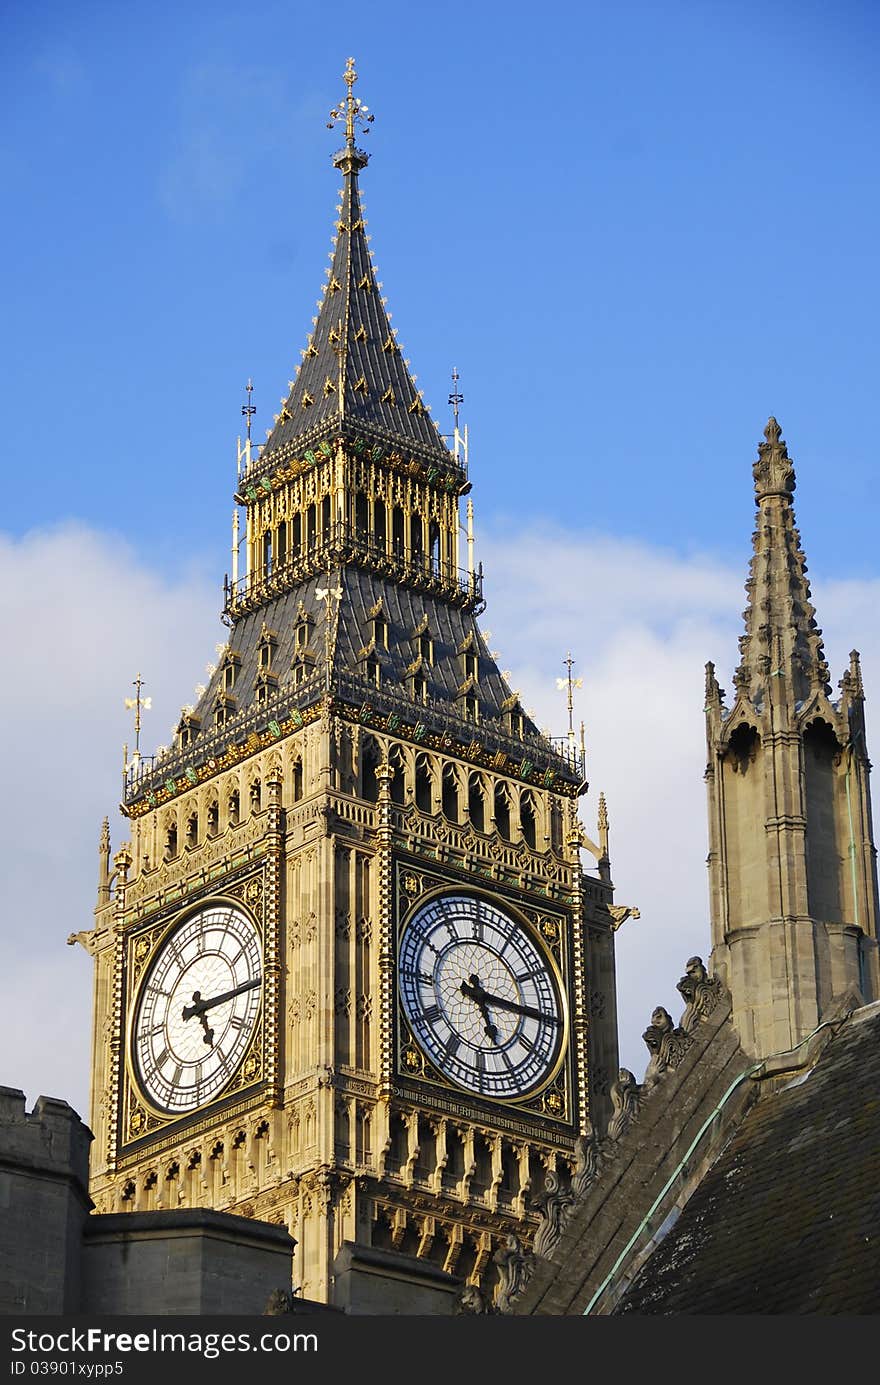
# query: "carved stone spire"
[792,865]
[782,644]
[104,863]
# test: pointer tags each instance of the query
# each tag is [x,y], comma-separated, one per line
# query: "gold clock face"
[197,1009]
[480,996]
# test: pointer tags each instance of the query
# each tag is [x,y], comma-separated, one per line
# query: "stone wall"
[187,1261]
[44,1204]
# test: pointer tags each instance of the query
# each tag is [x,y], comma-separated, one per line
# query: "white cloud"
[81,615]
[641,624]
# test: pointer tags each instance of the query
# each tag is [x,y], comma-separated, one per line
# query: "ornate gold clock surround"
[554,1098]
[141,1122]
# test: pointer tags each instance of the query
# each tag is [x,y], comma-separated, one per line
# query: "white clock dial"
[480,996]
[197,1009]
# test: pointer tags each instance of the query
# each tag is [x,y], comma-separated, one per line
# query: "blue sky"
[636,229]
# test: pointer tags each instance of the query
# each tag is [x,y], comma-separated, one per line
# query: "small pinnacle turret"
[792,864]
[782,639]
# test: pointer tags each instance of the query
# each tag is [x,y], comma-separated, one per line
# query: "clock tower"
[351,975]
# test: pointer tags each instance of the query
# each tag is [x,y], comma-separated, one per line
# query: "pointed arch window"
[502,812]
[266,685]
[397,531]
[370,756]
[470,707]
[469,657]
[266,647]
[304,622]
[224,709]
[424,785]
[418,687]
[361,515]
[514,719]
[450,794]
[397,760]
[416,538]
[379,523]
[476,803]
[188,728]
[170,850]
[303,668]
[528,820]
[297,780]
[229,669]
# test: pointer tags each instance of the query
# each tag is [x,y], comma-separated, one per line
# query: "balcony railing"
[435,715]
[345,543]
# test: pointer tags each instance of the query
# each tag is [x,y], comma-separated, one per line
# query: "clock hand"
[209,1033]
[476,992]
[200,1006]
[484,997]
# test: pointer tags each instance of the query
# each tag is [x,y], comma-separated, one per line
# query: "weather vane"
[570,684]
[138,704]
[352,109]
[249,409]
[456,399]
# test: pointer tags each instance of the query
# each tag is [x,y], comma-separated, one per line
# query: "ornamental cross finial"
[138,704]
[352,109]
[570,684]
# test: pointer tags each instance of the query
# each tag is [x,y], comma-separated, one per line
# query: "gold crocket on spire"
[353,376]
[782,640]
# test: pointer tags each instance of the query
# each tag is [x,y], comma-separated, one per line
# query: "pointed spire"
[352,370]
[104,863]
[713,694]
[782,640]
[852,702]
[602,823]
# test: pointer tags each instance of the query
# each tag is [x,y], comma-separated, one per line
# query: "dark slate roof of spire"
[451,629]
[352,367]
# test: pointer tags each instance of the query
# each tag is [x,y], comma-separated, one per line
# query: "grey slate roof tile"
[787,1220]
[356,304]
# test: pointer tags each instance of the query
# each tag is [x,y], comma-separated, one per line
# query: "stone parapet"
[44,1203]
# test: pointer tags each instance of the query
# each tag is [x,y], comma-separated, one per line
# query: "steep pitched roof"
[352,368]
[723,1185]
[788,1218]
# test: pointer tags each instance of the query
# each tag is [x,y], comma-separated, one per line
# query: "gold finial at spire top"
[352,109]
